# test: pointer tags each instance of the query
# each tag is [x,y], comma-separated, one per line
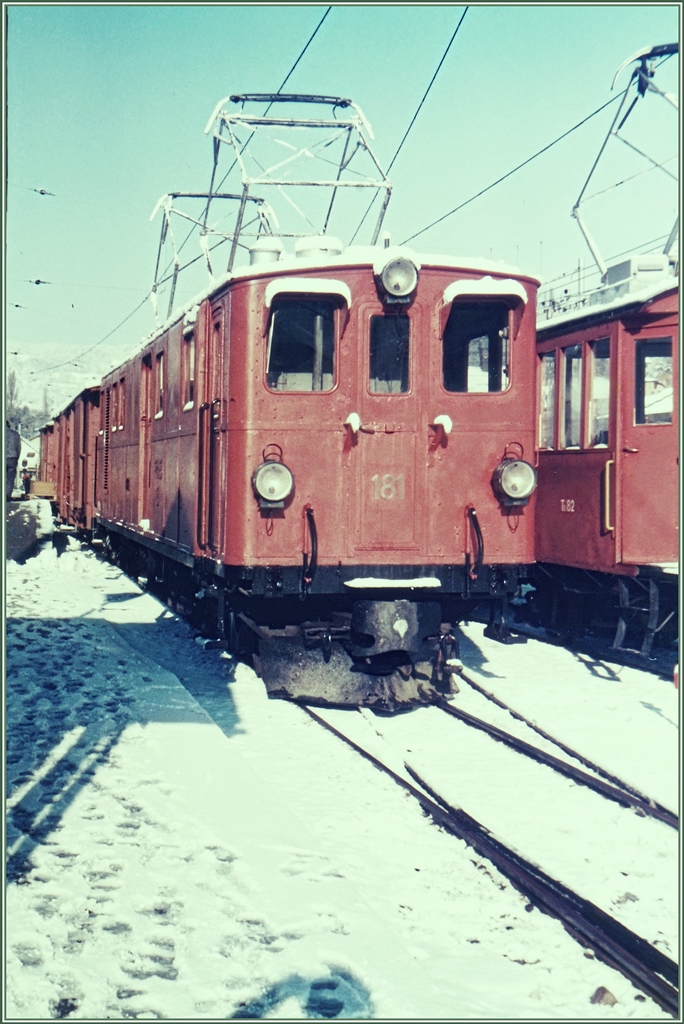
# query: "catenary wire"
[529,160]
[279,90]
[75,359]
[514,170]
[418,109]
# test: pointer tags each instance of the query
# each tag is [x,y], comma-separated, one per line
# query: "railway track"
[641,963]
[620,793]
[612,787]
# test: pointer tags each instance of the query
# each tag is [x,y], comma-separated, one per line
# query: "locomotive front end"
[377,471]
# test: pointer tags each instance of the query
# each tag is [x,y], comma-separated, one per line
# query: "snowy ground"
[180,847]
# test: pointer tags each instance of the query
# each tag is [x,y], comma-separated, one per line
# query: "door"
[648,457]
[145,441]
[211,430]
[575,519]
[389,468]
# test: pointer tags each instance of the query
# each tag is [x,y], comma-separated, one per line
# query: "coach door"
[211,431]
[390,469]
[145,440]
[649,472]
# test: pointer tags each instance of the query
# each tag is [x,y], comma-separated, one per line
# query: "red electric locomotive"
[607,509]
[332,449]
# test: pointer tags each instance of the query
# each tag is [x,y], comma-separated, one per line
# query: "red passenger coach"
[608,366]
[608,436]
[331,450]
[68,459]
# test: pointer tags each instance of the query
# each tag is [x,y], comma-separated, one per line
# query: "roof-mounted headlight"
[399,279]
[273,483]
[514,481]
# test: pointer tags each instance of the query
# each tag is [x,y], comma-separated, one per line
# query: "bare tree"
[12,397]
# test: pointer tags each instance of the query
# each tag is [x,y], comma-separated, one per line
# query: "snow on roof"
[352,256]
[650,291]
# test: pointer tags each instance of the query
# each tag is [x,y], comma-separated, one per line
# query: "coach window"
[115,407]
[389,354]
[547,416]
[599,398]
[188,371]
[301,345]
[475,348]
[122,402]
[654,395]
[572,381]
[159,385]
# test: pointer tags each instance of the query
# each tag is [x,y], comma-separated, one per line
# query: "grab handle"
[606,496]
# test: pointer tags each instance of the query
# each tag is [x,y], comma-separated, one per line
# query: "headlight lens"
[517,479]
[399,278]
[273,481]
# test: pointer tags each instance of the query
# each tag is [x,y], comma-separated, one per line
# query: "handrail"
[472,515]
[310,566]
[201,542]
[212,457]
[606,496]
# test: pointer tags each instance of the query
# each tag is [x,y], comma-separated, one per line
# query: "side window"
[653,379]
[115,407]
[301,345]
[599,399]
[389,354]
[475,348]
[188,370]
[547,416]
[572,388]
[159,384]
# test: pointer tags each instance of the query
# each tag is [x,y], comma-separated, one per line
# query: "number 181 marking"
[388,486]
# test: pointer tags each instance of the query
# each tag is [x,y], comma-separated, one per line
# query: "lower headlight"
[514,481]
[272,482]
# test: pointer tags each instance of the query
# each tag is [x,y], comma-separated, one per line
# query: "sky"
[107,105]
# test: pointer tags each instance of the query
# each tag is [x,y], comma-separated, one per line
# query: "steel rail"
[619,795]
[618,783]
[641,963]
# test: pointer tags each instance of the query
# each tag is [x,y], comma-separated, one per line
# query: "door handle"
[631,451]
[606,497]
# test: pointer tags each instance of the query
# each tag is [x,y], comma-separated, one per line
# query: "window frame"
[506,367]
[337,303]
[641,345]
[189,365]
[590,350]
[159,384]
[383,315]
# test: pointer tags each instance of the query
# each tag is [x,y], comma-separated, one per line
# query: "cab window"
[389,354]
[475,354]
[301,345]
[653,380]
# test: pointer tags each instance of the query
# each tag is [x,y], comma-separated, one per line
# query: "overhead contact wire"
[279,90]
[514,170]
[418,109]
[73,361]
